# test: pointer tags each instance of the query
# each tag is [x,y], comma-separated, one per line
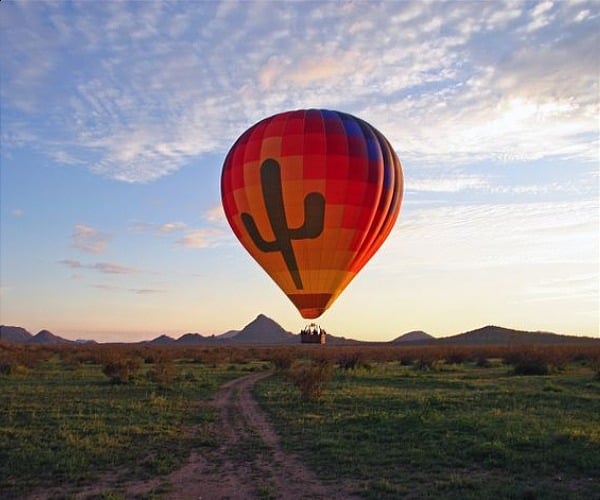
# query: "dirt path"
[248,464]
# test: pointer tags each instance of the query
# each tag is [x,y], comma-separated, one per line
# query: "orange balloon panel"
[311,195]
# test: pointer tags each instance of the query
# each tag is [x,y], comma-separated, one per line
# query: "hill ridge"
[492,334]
[264,330]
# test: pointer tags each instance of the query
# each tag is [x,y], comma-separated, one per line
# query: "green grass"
[444,431]
[64,424]
[458,432]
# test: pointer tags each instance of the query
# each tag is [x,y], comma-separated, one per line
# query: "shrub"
[536,360]
[595,363]
[429,360]
[457,356]
[282,359]
[162,372]
[70,360]
[406,359]
[349,360]
[121,371]
[311,378]
[6,367]
[531,365]
[483,362]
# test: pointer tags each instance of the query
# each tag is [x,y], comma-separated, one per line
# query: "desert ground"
[251,422]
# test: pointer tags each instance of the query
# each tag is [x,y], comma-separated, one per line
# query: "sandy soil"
[248,464]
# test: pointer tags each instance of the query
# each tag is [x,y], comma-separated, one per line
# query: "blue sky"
[116,118]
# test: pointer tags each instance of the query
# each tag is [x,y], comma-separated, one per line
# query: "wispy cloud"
[89,239]
[171,227]
[145,291]
[203,237]
[137,291]
[73,264]
[200,238]
[102,267]
[104,286]
[540,15]
[577,286]
[216,215]
[160,228]
[447,184]
[485,236]
[112,268]
[448,82]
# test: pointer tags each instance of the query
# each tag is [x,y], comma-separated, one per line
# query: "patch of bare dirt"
[248,464]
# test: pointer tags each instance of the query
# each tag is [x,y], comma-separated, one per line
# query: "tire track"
[249,462]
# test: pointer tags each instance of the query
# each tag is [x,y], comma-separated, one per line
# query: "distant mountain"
[333,340]
[414,337]
[263,330]
[162,340]
[192,339]
[46,337]
[497,335]
[228,334]
[19,335]
[14,334]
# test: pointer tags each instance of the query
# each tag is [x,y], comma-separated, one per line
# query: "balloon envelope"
[311,195]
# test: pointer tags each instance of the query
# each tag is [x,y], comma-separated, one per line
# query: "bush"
[6,367]
[483,362]
[531,365]
[429,360]
[162,372]
[534,360]
[12,368]
[282,359]
[349,360]
[311,378]
[595,364]
[406,359]
[457,356]
[121,371]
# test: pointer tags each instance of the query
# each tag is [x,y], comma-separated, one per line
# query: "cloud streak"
[200,238]
[89,240]
[102,267]
[137,291]
[160,229]
[145,291]
[486,236]
[205,237]
[447,184]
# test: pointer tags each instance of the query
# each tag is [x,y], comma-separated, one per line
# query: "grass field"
[398,423]
[458,431]
[63,422]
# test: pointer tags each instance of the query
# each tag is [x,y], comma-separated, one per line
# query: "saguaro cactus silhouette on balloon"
[314,216]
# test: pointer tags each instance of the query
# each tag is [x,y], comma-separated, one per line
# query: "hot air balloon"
[312,195]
